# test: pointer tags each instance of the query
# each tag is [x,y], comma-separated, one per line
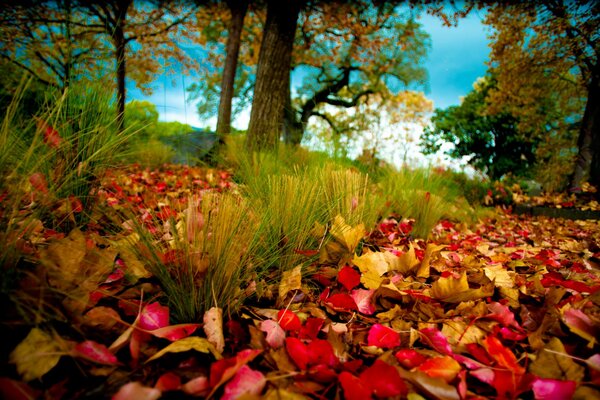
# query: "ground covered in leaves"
[508,307]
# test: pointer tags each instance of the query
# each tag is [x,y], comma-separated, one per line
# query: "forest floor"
[507,307]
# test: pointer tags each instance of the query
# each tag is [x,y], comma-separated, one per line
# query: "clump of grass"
[423,195]
[350,194]
[201,260]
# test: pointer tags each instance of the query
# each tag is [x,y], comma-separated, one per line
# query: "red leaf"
[349,277]
[437,340]
[384,380]
[76,205]
[479,353]
[503,356]
[175,332]
[245,382]
[95,352]
[341,302]
[353,387]
[552,389]
[15,390]
[51,136]
[441,367]
[154,316]
[502,314]
[382,336]
[298,352]
[168,381]
[363,299]
[321,352]
[39,183]
[410,358]
[311,328]
[288,320]
[223,370]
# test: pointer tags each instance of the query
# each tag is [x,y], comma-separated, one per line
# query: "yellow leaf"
[189,343]
[499,275]
[372,266]
[423,270]
[446,287]
[290,280]
[452,290]
[37,354]
[372,261]
[553,362]
[345,234]
[407,261]
[460,333]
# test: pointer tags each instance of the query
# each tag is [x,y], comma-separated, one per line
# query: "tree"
[45,39]
[549,52]
[351,51]
[58,40]
[494,143]
[148,24]
[273,75]
[238,10]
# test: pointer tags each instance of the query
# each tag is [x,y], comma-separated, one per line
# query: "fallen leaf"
[213,327]
[189,343]
[245,382]
[275,335]
[383,337]
[553,362]
[37,354]
[136,390]
[348,277]
[95,352]
[291,280]
[154,316]
[168,381]
[364,300]
[444,367]
[553,389]
[288,320]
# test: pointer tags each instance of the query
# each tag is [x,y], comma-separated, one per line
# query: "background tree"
[48,40]
[148,24]
[494,143]
[273,75]
[547,52]
[350,51]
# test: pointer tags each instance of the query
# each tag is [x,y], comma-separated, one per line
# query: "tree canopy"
[494,143]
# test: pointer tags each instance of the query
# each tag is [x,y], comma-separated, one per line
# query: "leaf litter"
[507,307]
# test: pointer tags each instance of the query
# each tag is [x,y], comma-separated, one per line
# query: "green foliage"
[494,142]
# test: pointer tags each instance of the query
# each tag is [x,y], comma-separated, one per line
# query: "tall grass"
[202,258]
[424,195]
[50,164]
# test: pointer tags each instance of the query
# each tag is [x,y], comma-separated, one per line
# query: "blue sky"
[456,59]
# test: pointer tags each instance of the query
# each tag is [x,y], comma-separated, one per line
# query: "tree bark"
[273,75]
[120,43]
[238,10]
[587,163]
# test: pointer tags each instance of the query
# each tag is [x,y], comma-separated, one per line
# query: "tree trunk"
[588,143]
[238,10]
[120,47]
[292,128]
[273,75]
